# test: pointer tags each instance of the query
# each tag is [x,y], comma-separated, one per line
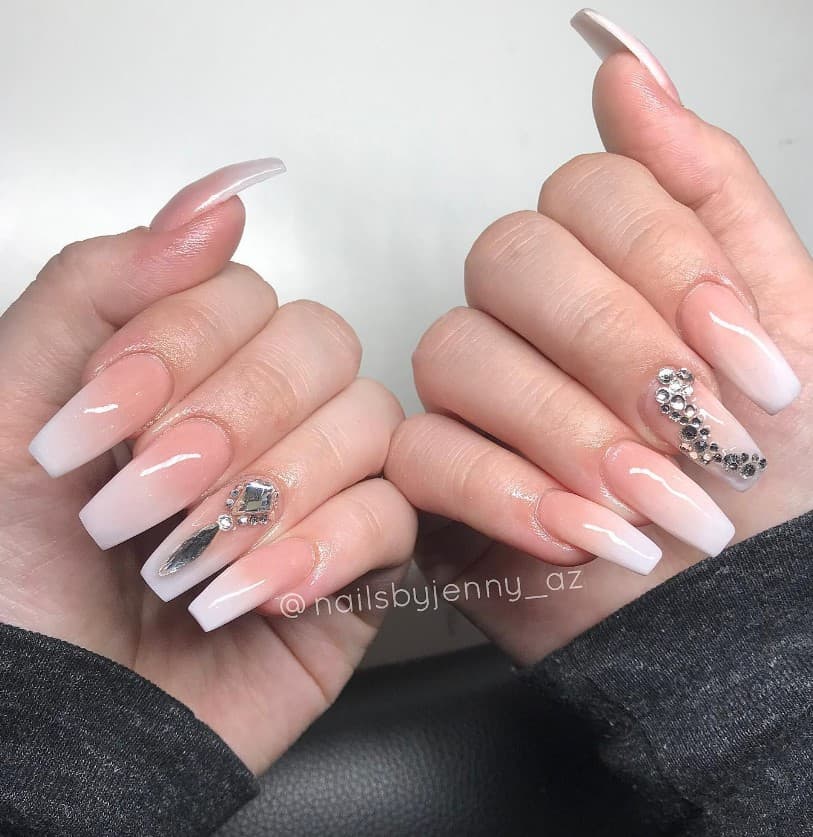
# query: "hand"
[668,252]
[188,355]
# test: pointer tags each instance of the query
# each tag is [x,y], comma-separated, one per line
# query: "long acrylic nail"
[266,572]
[656,487]
[164,478]
[719,327]
[219,530]
[117,402]
[214,189]
[607,38]
[686,414]
[584,524]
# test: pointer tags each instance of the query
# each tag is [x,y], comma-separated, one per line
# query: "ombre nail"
[214,189]
[167,476]
[686,414]
[219,530]
[656,487]
[115,404]
[720,329]
[260,576]
[607,38]
[599,531]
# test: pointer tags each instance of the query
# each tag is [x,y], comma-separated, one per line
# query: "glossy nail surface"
[582,523]
[656,487]
[266,572]
[719,327]
[117,402]
[225,546]
[213,189]
[686,414]
[163,479]
[607,38]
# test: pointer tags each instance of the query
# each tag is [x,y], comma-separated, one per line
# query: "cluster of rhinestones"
[249,504]
[674,395]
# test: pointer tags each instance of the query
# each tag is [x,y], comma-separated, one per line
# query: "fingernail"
[607,38]
[164,478]
[221,529]
[656,487]
[267,572]
[719,327]
[584,524]
[213,189]
[117,402]
[685,413]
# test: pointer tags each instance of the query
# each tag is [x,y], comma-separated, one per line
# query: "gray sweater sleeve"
[88,748]
[699,695]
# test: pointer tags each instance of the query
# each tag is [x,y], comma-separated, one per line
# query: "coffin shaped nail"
[166,477]
[720,329]
[120,400]
[654,486]
[599,531]
[215,188]
[222,528]
[265,573]
[607,38]
[685,413]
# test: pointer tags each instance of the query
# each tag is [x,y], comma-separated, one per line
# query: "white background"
[406,128]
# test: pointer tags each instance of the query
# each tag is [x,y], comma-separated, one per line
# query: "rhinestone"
[696,422]
[692,454]
[704,431]
[662,396]
[714,446]
[684,420]
[763,463]
[687,446]
[256,497]
[235,491]
[690,411]
[718,457]
[748,470]
[674,416]
[744,457]
[243,519]
[675,385]
[688,391]
[700,444]
[666,374]
[678,402]
[230,501]
[755,457]
[685,375]
[707,457]
[225,523]
[731,462]
[688,432]
[664,408]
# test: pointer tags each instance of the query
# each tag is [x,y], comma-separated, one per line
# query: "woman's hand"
[249,415]
[668,253]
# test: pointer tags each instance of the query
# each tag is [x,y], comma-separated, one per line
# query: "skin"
[260,373]
[675,196]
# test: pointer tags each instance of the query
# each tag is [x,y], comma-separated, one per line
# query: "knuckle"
[272,384]
[247,279]
[512,239]
[380,396]
[657,237]
[332,324]
[411,446]
[599,318]
[584,172]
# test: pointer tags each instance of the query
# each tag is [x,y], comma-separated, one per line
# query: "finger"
[93,287]
[557,424]
[445,468]
[619,212]
[151,363]
[700,165]
[301,359]
[532,275]
[342,443]
[368,526]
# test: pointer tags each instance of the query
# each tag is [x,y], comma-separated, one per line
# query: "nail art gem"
[673,394]
[249,503]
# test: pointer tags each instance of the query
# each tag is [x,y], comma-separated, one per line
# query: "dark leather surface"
[448,745]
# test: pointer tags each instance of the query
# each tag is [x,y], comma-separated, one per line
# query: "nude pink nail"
[607,38]
[119,401]
[656,487]
[599,531]
[164,478]
[263,574]
[720,329]
[215,188]
[686,414]
[228,532]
